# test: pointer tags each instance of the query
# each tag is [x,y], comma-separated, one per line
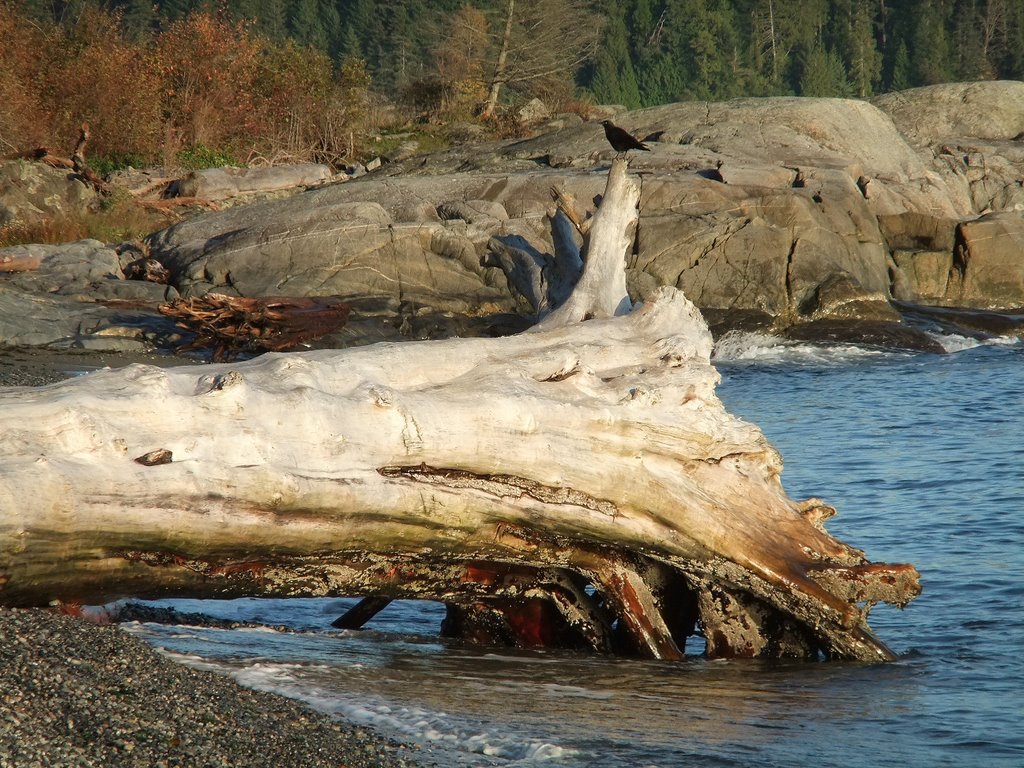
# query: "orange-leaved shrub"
[204,86]
[207,67]
[459,60]
[97,76]
[301,109]
[24,119]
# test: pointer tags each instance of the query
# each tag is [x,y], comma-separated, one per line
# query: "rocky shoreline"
[820,219]
[28,367]
[81,694]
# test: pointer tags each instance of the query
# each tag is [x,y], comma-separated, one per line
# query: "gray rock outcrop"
[754,207]
[332,242]
[87,270]
[988,263]
[972,136]
[933,114]
[31,192]
[78,297]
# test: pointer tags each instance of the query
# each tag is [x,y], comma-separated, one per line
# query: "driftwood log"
[76,162]
[577,485]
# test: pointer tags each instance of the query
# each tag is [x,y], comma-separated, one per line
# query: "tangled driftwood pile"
[229,325]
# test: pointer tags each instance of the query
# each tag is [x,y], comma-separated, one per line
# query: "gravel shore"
[33,368]
[78,694]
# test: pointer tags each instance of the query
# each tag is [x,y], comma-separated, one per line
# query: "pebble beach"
[75,693]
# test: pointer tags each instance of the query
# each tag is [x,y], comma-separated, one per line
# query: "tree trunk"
[498,79]
[577,485]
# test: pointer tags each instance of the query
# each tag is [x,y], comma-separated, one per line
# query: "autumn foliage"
[460,64]
[202,82]
[22,70]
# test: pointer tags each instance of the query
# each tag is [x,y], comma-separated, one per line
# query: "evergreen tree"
[1007,52]
[715,48]
[702,35]
[653,51]
[394,74]
[864,62]
[269,16]
[969,60]
[314,23]
[330,20]
[38,10]
[614,79]
[900,79]
[304,24]
[642,29]
[348,44]
[361,21]
[930,59]
[823,74]
[646,31]
[774,39]
[661,80]
[172,10]
[138,18]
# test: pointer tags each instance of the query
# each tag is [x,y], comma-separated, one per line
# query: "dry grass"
[119,219]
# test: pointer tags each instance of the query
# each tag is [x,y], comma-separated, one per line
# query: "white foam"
[441,729]
[748,346]
[192,660]
[952,342]
[576,691]
[410,723]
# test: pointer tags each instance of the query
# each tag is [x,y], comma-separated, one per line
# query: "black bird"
[621,140]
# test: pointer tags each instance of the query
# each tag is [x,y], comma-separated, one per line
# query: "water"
[923,455]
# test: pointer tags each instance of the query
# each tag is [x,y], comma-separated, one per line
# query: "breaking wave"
[752,346]
[748,346]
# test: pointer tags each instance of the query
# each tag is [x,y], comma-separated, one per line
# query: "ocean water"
[923,455]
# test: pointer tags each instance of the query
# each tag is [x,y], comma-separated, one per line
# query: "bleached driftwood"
[601,291]
[506,476]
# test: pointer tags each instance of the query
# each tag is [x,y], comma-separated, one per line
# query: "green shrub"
[107,164]
[200,156]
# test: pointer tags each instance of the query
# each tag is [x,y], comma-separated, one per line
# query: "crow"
[622,141]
